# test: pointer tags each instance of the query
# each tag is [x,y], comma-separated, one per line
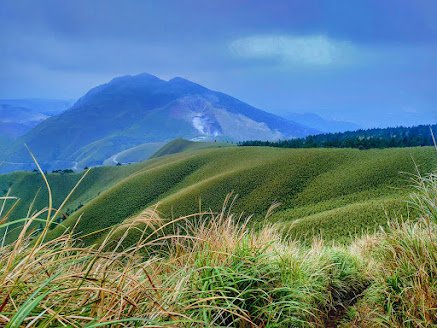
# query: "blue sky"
[372,61]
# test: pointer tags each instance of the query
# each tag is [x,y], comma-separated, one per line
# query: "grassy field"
[219,272]
[333,192]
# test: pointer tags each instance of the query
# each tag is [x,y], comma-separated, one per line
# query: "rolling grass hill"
[181,145]
[336,192]
[221,272]
[135,154]
[28,186]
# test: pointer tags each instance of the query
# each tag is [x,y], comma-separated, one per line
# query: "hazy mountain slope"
[47,107]
[5,142]
[320,123]
[16,121]
[13,130]
[18,116]
[354,188]
[133,110]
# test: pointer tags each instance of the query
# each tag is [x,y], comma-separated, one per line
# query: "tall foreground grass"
[211,270]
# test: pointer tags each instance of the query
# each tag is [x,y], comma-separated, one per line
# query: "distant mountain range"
[18,116]
[131,111]
[319,123]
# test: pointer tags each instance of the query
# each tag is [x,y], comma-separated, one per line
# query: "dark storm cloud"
[364,20]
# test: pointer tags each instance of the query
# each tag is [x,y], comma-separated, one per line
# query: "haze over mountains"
[319,123]
[18,116]
[131,117]
[130,111]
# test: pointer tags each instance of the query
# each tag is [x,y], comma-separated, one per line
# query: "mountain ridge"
[321,123]
[19,116]
[132,110]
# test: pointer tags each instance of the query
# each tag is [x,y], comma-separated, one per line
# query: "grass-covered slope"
[28,186]
[334,191]
[181,145]
[25,185]
[135,154]
[222,273]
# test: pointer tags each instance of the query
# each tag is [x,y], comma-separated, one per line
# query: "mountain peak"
[179,83]
[179,79]
[137,77]
[133,110]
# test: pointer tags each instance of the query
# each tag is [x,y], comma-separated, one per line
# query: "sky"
[372,62]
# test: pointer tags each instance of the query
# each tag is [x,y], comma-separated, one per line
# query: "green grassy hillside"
[336,192]
[221,272]
[28,185]
[181,145]
[135,154]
